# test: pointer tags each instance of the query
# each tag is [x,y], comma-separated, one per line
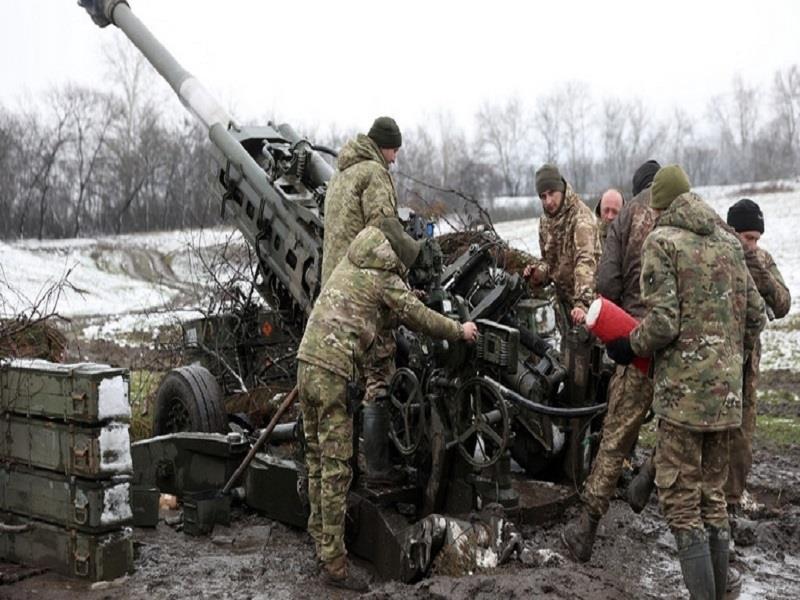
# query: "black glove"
[620,351]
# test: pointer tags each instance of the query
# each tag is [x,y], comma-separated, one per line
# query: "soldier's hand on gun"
[578,315]
[533,274]
[470,332]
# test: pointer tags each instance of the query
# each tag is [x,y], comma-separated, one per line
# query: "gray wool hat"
[548,177]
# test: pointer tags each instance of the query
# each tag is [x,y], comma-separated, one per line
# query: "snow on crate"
[115,448]
[116,504]
[113,401]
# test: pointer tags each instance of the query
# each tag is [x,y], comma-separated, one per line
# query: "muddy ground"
[256,558]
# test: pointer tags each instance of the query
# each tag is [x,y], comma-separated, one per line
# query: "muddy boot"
[578,536]
[696,566]
[337,573]
[375,431]
[641,487]
[719,544]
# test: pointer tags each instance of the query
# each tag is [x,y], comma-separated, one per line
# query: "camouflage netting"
[23,339]
[510,259]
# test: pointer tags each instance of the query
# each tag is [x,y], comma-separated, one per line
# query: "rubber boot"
[337,573]
[719,544]
[696,566]
[375,432]
[579,534]
[641,487]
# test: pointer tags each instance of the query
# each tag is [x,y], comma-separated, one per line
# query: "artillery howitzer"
[457,414]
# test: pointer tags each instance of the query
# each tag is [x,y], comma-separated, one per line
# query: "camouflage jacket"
[570,248]
[769,282]
[360,193]
[704,316]
[621,262]
[364,293]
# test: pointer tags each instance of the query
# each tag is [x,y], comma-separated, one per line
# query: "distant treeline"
[83,162]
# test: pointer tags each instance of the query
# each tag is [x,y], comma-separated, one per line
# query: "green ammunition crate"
[97,452]
[85,504]
[100,557]
[84,393]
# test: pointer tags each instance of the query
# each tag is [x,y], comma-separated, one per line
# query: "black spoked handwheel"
[482,427]
[406,411]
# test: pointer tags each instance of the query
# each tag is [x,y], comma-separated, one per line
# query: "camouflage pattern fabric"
[570,249]
[691,468]
[364,295]
[773,290]
[379,366]
[630,396]
[703,310]
[621,262]
[360,193]
[328,431]
[602,232]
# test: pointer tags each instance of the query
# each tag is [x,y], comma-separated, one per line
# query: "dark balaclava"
[669,183]
[406,247]
[644,175]
[746,215]
[385,133]
[549,178]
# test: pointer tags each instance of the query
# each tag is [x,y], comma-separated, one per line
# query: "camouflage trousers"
[691,468]
[630,394]
[328,430]
[741,442]
[379,365]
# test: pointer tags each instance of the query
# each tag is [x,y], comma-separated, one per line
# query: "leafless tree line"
[84,162]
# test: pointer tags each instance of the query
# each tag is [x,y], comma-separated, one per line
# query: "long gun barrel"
[274,182]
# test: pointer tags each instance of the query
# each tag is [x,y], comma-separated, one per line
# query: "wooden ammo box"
[100,557]
[86,504]
[97,452]
[83,393]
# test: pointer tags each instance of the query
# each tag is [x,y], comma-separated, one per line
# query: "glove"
[620,351]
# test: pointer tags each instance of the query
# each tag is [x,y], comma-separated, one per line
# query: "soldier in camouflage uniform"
[746,218]
[568,242]
[630,392]
[365,291]
[704,316]
[362,193]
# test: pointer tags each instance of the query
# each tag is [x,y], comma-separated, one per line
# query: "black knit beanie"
[746,215]
[644,175]
[385,133]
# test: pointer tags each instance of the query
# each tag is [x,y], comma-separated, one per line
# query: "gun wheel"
[406,411]
[482,427]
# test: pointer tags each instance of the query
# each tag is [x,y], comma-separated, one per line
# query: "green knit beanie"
[548,178]
[406,247]
[385,133]
[669,183]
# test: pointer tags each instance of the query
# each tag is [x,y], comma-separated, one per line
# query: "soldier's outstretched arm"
[769,282]
[755,316]
[415,315]
[378,199]
[659,284]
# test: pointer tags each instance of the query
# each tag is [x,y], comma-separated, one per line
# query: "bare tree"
[504,136]
[576,116]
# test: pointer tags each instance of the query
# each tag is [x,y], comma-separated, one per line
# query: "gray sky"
[324,62]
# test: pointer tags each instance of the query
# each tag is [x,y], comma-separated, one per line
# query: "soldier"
[746,219]
[611,202]
[364,291]
[630,391]
[704,316]
[568,242]
[362,193]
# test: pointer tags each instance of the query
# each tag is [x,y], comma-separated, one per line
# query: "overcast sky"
[339,62]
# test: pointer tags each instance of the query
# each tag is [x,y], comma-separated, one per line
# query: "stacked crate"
[65,468]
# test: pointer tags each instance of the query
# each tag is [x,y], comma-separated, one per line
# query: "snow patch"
[116,505]
[113,398]
[115,448]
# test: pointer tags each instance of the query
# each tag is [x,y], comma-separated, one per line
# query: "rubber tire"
[199,393]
